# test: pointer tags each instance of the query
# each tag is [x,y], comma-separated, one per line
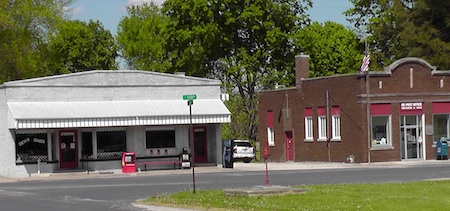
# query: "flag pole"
[369,127]
[365,67]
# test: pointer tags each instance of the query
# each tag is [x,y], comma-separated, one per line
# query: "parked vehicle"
[243,151]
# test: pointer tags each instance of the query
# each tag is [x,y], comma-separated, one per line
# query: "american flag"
[365,61]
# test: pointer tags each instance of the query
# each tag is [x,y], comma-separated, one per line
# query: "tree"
[79,46]
[402,28]
[246,44]
[141,38]
[24,29]
[333,49]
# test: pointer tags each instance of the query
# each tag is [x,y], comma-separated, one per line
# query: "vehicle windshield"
[242,144]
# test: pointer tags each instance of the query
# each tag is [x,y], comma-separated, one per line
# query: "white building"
[88,119]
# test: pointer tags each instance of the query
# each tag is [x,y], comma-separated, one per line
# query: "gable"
[115,78]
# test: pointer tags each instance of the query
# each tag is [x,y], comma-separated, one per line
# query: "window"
[322,128]
[441,126]
[308,128]
[336,123]
[86,146]
[160,138]
[111,143]
[381,130]
[270,136]
[31,147]
[336,129]
[270,132]
[309,136]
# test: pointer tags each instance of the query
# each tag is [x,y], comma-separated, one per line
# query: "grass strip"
[426,195]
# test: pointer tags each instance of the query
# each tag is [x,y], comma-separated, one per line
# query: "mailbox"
[128,162]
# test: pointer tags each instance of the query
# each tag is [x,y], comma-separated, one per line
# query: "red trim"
[335,110]
[321,111]
[381,109]
[67,164]
[308,112]
[441,107]
[270,118]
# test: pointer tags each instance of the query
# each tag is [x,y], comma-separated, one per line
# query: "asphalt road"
[111,192]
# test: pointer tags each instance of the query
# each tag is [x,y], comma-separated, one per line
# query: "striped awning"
[32,115]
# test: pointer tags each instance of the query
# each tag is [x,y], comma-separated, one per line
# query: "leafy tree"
[141,38]
[24,29]
[333,49]
[79,46]
[247,44]
[402,28]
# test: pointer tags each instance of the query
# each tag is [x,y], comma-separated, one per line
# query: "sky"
[110,12]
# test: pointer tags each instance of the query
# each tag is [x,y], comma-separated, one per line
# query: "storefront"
[326,118]
[87,120]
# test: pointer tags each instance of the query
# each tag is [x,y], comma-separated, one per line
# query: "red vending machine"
[128,162]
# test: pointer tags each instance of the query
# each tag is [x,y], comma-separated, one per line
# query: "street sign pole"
[191,137]
[190,100]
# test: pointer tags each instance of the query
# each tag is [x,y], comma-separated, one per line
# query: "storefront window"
[111,143]
[160,138]
[441,126]
[31,147]
[86,147]
[381,130]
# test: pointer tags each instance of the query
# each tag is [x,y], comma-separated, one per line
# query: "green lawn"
[429,195]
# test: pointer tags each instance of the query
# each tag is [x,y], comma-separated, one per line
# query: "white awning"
[115,113]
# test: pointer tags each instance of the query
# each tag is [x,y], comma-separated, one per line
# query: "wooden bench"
[160,160]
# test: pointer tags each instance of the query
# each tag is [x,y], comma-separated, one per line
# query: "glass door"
[411,137]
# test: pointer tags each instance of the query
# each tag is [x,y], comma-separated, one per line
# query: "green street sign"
[189,97]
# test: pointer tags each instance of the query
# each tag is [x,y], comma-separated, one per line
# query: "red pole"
[266,155]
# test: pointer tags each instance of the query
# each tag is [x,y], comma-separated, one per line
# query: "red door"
[289,146]
[200,146]
[68,149]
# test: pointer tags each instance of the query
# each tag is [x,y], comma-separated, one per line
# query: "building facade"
[326,118]
[87,120]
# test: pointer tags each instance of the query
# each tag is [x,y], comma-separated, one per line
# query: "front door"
[200,146]
[68,149]
[411,137]
[289,146]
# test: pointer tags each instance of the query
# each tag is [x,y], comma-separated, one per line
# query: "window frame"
[309,128]
[322,128]
[336,128]
[109,153]
[158,129]
[30,157]
[387,128]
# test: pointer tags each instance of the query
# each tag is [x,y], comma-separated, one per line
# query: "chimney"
[301,68]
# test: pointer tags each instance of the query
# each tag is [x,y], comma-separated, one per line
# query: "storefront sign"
[410,106]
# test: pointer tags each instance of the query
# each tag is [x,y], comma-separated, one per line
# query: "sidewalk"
[238,166]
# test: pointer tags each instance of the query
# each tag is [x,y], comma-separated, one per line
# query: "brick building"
[325,118]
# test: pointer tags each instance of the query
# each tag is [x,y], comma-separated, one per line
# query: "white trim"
[322,128]
[309,133]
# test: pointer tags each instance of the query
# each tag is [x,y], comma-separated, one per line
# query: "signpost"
[190,100]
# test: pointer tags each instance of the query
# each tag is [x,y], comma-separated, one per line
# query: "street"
[117,192]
